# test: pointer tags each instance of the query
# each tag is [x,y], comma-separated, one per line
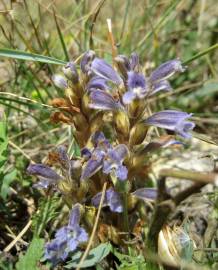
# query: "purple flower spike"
[97,82]
[172,120]
[112,199]
[66,238]
[136,87]
[166,70]
[113,162]
[146,193]
[103,101]
[101,68]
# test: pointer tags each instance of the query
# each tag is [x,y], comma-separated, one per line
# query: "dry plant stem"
[181,196]
[125,212]
[19,236]
[20,150]
[163,208]
[111,37]
[85,254]
[190,175]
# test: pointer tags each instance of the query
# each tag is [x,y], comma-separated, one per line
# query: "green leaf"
[32,256]
[47,211]
[95,256]
[7,180]
[3,142]
[30,57]
[200,54]
[5,264]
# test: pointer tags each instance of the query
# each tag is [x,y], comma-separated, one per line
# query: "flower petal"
[136,81]
[121,172]
[119,152]
[70,72]
[112,199]
[166,70]
[123,64]
[97,82]
[59,81]
[93,165]
[43,171]
[74,216]
[146,193]
[82,235]
[167,119]
[183,128]
[86,153]
[44,183]
[86,60]
[134,61]
[103,101]
[160,86]
[172,120]
[128,97]
[101,68]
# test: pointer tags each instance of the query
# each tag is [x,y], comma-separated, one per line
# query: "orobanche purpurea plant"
[108,108]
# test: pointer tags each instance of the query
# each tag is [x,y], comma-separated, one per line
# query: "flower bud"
[96,123]
[86,61]
[123,65]
[59,81]
[137,134]
[67,188]
[83,189]
[136,108]
[76,168]
[72,97]
[85,104]
[122,123]
[80,122]
[89,216]
[70,72]
[108,233]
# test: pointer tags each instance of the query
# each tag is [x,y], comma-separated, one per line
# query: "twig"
[19,236]
[111,37]
[190,175]
[26,99]
[162,210]
[181,196]
[21,151]
[95,15]
[85,254]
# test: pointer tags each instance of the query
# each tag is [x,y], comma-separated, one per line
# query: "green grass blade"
[160,23]
[61,38]
[30,57]
[198,55]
